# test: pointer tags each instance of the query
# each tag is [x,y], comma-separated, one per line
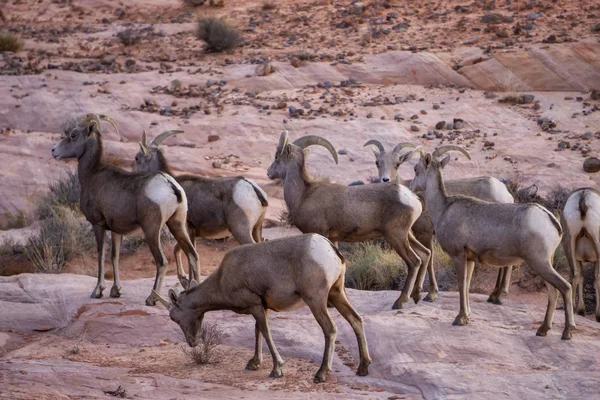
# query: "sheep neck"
[207,296]
[91,159]
[295,185]
[435,195]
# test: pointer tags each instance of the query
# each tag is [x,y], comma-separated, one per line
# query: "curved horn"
[402,145]
[283,139]
[375,143]
[144,141]
[407,156]
[310,140]
[161,299]
[96,118]
[449,147]
[159,139]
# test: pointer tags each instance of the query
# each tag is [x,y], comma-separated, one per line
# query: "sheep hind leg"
[597,288]
[460,266]
[257,229]
[153,240]
[433,285]
[318,306]
[502,284]
[554,282]
[255,361]
[424,255]
[413,262]
[337,297]
[577,287]
[178,228]
[115,290]
[100,234]
[260,315]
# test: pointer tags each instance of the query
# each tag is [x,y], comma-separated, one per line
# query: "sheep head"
[292,153]
[182,313]
[150,157]
[76,135]
[388,162]
[430,164]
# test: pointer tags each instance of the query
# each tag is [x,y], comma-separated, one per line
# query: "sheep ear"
[173,297]
[288,149]
[427,160]
[445,161]
[192,284]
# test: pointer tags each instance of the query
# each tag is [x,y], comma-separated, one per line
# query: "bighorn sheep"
[349,213]
[121,202]
[581,221]
[497,234]
[483,188]
[217,206]
[279,275]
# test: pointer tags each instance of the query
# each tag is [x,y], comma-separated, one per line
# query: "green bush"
[373,266]
[218,34]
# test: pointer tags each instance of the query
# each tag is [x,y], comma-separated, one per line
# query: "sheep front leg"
[260,315]
[100,234]
[115,290]
[255,361]
[461,274]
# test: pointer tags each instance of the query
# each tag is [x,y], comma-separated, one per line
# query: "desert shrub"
[556,199]
[129,37]
[63,235]
[373,265]
[218,34]
[10,250]
[64,192]
[211,336]
[269,6]
[10,42]
[194,3]
[444,270]
[14,221]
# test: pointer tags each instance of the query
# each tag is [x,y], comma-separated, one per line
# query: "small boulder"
[264,69]
[213,138]
[440,125]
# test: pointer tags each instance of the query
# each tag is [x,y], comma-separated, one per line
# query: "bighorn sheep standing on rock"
[484,188]
[581,221]
[496,234]
[280,275]
[216,206]
[121,202]
[349,213]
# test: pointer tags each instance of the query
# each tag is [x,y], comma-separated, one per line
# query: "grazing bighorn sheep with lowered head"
[217,207]
[483,188]
[119,201]
[496,234]
[349,213]
[279,275]
[581,221]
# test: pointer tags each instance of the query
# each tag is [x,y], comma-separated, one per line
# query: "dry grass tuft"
[373,265]
[211,336]
[10,42]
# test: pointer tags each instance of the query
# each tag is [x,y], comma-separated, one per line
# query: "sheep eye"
[377,164]
[137,158]
[73,136]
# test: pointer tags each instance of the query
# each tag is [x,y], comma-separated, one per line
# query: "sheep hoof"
[398,305]
[567,333]
[431,297]
[276,373]
[461,320]
[151,301]
[115,291]
[542,330]
[581,311]
[363,369]
[321,376]
[416,297]
[497,301]
[253,364]
[597,317]
[97,293]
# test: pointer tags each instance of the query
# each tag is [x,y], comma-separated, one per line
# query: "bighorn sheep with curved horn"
[216,206]
[581,221]
[121,202]
[485,188]
[280,275]
[349,213]
[496,234]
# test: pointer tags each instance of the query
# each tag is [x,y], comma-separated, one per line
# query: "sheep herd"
[474,220]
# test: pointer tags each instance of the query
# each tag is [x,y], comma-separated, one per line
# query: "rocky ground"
[515,82]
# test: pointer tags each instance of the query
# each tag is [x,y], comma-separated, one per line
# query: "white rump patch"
[159,191]
[407,197]
[246,199]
